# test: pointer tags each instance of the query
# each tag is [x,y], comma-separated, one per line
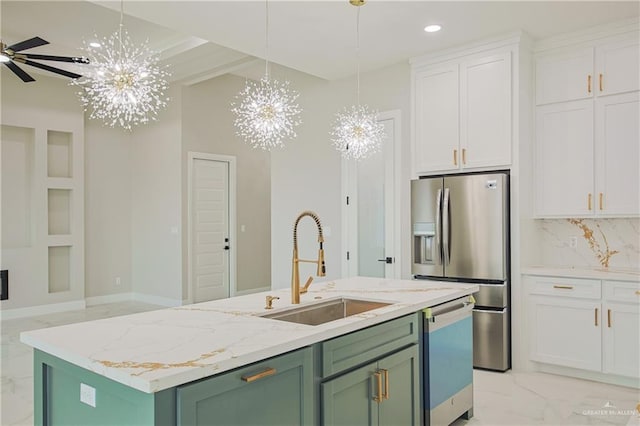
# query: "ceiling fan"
[9,55]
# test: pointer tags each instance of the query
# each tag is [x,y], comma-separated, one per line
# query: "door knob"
[386,260]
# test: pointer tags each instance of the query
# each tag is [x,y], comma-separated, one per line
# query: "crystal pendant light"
[125,86]
[266,111]
[356,132]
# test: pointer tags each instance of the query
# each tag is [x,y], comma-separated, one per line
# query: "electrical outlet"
[118,281]
[573,242]
[88,395]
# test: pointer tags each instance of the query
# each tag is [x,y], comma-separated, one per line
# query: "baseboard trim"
[156,300]
[589,375]
[33,311]
[109,298]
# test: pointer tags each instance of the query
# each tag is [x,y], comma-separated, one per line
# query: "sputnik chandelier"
[356,132]
[266,111]
[125,86]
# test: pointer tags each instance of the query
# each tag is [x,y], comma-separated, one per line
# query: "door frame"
[349,216]
[231,161]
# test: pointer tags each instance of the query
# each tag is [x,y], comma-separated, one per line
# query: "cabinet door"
[564,76]
[564,175]
[617,67]
[401,388]
[622,339]
[618,155]
[278,391]
[436,119]
[566,332]
[349,399]
[485,111]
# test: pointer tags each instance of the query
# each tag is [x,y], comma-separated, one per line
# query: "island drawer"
[278,390]
[363,346]
[565,287]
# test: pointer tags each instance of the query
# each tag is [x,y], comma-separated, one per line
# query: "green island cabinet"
[368,377]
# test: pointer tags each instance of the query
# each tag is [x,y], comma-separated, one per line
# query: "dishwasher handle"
[438,320]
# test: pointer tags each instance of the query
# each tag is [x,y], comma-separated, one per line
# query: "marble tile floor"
[499,398]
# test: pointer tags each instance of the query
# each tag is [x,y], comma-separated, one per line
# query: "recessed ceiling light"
[94,44]
[432,28]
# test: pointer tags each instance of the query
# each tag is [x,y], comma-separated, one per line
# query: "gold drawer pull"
[609,318]
[378,398]
[266,373]
[595,317]
[464,156]
[600,200]
[455,157]
[589,83]
[564,287]
[638,292]
[385,395]
[589,202]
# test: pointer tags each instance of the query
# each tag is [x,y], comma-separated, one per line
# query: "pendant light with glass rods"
[266,111]
[356,132]
[125,86]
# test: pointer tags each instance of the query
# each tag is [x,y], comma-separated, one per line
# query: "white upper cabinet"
[617,155]
[462,112]
[617,67]
[485,111]
[587,152]
[436,124]
[564,162]
[565,76]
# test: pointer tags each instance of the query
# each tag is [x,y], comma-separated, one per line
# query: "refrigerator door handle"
[446,231]
[438,230]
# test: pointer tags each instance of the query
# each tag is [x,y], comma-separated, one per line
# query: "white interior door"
[210,237]
[371,213]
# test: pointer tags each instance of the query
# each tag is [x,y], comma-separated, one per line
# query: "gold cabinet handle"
[464,156]
[266,373]
[589,83]
[609,318]
[600,78]
[385,395]
[564,287]
[589,201]
[378,398]
[638,292]
[455,157]
[600,200]
[595,317]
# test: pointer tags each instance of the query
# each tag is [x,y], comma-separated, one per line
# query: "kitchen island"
[146,368]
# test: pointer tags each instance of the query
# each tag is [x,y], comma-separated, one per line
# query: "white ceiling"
[202,39]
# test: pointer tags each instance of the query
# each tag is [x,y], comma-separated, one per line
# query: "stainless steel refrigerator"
[461,234]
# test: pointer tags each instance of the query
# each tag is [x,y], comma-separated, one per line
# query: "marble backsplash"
[600,243]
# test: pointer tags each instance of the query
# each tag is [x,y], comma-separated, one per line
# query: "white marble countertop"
[160,349]
[583,272]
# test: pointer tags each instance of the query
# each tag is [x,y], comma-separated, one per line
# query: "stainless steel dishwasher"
[448,362]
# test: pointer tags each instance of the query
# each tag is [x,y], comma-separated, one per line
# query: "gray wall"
[207,126]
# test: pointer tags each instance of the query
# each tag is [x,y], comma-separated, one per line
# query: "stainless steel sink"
[323,312]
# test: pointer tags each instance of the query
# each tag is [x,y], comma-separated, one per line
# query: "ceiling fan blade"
[19,72]
[28,44]
[74,59]
[51,69]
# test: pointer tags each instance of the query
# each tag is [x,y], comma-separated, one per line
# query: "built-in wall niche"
[17,145]
[59,211]
[59,269]
[59,154]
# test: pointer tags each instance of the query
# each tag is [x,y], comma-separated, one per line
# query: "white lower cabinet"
[621,328]
[567,332]
[585,324]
